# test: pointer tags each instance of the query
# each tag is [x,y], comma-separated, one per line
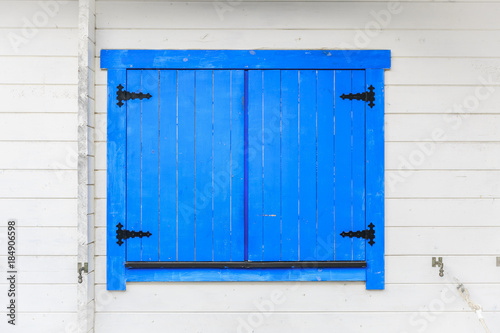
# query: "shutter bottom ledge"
[246,264]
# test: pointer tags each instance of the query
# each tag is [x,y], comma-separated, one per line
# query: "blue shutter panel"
[185,165]
[307,174]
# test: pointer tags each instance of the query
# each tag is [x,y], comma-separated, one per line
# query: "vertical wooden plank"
[343,168]
[116,180]
[325,166]
[186,165]
[237,87]
[150,165]
[168,165]
[358,165]
[134,165]
[222,165]
[289,165]
[307,165]
[204,166]
[271,165]
[375,271]
[255,195]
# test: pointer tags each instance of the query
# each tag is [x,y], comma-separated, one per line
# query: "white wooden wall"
[38,161]
[442,161]
[447,205]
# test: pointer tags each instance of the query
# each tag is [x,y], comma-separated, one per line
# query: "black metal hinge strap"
[365,234]
[126,234]
[367,96]
[123,95]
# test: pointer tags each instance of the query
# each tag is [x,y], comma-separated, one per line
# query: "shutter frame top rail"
[246,59]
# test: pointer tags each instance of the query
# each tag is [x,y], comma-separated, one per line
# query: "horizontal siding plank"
[47,298]
[101,181]
[100,212]
[442,155]
[38,184]
[43,322]
[43,241]
[444,71]
[43,269]
[305,297]
[442,212]
[442,184]
[447,127]
[37,14]
[39,98]
[38,155]
[101,130]
[468,269]
[442,99]
[442,241]
[263,321]
[310,15]
[46,42]
[419,43]
[100,155]
[38,70]
[38,126]
[40,212]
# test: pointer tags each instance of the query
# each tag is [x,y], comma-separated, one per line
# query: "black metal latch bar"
[126,234]
[123,95]
[367,96]
[365,234]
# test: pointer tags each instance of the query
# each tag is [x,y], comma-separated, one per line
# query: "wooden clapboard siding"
[38,145]
[38,98]
[38,126]
[47,322]
[404,43]
[38,70]
[276,15]
[43,270]
[448,207]
[343,321]
[299,298]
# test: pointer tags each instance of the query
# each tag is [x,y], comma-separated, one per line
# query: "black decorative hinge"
[367,96]
[126,234]
[123,95]
[366,234]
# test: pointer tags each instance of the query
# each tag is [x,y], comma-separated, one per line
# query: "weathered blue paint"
[116,180]
[271,111]
[304,159]
[325,163]
[134,168]
[233,274]
[375,272]
[186,165]
[204,160]
[150,165]
[307,164]
[289,159]
[245,59]
[168,166]
[358,166]
[255,168]
[237,179]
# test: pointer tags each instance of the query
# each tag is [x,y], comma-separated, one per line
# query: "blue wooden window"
[245,166]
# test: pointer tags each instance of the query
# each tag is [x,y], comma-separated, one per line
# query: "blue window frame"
[245,166]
